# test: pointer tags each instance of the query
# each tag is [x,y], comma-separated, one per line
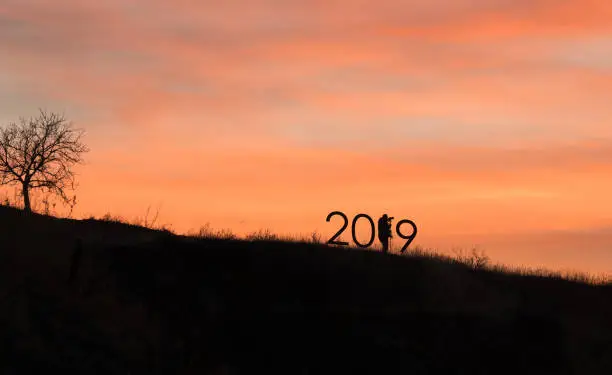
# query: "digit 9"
[409,238]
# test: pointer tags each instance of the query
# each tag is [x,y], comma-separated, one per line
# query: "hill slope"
[147,302]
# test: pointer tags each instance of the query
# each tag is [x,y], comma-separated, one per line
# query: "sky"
[488,123]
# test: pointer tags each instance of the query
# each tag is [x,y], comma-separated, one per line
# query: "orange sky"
[486,122]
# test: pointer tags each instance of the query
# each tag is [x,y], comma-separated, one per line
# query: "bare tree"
[38,153]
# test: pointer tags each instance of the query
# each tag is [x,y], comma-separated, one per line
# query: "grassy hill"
[150,302]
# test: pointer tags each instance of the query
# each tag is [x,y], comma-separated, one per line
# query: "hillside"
[150,302]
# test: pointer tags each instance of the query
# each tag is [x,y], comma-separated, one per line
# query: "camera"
[391,218]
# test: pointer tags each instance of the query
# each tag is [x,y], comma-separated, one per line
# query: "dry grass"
[177,304]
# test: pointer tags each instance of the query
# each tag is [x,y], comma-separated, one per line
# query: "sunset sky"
[487,122]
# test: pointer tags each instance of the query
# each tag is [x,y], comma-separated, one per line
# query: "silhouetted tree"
[38,153]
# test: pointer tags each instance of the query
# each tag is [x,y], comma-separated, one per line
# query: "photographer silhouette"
[384,231]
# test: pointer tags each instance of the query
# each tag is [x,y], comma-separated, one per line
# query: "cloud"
[317,64]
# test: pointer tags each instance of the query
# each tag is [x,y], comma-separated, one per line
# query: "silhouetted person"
[384,231]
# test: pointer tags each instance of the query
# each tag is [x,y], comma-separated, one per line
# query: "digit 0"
[372,232]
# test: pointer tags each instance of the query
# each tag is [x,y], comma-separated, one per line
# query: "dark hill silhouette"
[150,302]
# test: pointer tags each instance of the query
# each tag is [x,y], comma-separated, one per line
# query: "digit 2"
[332,241]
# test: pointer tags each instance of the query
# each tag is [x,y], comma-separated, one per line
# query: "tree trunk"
[26,198]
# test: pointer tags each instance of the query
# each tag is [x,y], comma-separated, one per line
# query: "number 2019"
[333,241]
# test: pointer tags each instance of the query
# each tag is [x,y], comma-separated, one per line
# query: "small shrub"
[150,222]
[166,228]
[225,234]
[312,238]
[315,237]
[112,219]
[476,259]
[206,232]
[262,235]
